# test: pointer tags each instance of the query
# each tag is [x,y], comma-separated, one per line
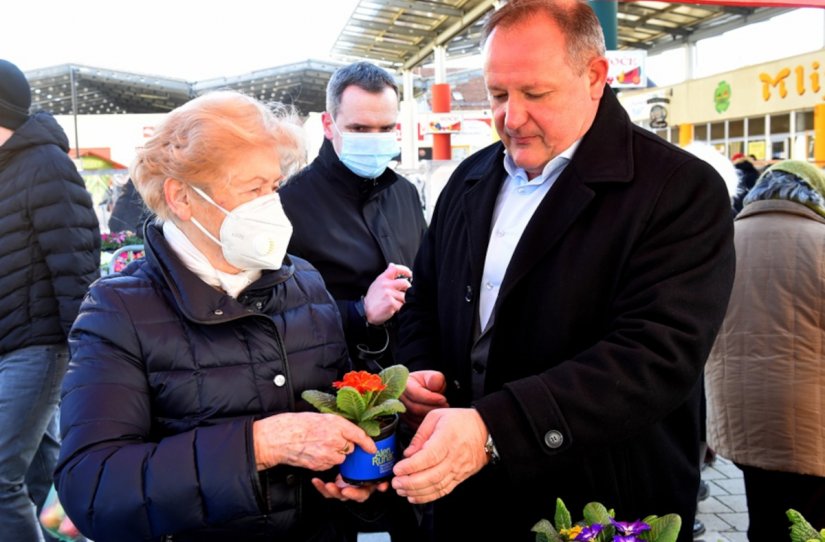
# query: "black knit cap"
[15,96]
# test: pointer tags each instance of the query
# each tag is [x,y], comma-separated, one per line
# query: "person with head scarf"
[765,377]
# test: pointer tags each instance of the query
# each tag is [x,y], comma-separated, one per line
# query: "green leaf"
[664,529]
[395,378]
[370,427]
[801,530]
[562,517]
[323,402]
[387,408]
[545,532]
[596,513]
[350,403]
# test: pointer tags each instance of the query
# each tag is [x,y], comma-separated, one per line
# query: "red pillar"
[441,104]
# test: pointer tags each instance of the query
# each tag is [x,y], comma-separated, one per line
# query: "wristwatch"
[491,450]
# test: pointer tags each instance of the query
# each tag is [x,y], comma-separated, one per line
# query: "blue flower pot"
[361,467]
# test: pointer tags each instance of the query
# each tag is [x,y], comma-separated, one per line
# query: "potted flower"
[118,249]
[801,530]
[371,402]
[599,525]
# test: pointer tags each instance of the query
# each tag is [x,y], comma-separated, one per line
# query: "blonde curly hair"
[202,139]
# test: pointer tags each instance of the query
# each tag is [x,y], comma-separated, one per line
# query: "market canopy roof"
[100,91]
[401,34]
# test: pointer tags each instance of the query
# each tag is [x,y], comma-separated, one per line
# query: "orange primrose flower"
[362,381]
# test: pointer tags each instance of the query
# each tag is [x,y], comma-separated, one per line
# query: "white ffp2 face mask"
[254,235]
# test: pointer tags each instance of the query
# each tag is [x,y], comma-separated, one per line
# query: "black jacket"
[350,229]
[166,377]
[604,320]
[50,252]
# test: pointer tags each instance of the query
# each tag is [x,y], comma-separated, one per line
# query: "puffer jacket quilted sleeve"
[166,377]
[51,240]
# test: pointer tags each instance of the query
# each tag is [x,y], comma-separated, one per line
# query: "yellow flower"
[572,532]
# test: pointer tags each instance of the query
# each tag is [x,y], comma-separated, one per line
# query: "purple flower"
[629,528]
[589,533]
[628,538]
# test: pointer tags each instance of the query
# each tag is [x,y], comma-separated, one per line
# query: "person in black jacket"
[566,297]
[355,219]
[748,174]
[49,254]
[129,213]
[181,411]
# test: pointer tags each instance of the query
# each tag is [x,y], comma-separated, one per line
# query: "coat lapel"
[604,156]
[478,204]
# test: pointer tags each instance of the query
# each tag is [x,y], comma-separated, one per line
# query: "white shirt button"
[279,380]
[489,285]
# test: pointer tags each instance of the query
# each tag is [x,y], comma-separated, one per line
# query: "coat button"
[259,305]
[553,439]
[218,312]
[279,380]
[468,294]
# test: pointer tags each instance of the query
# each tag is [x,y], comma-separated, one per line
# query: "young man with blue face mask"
[360,224]
[354,218]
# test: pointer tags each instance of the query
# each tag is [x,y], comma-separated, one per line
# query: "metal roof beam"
[444,37]
[430,7]
[711,31]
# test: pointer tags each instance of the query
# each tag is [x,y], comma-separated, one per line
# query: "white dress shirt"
[517,201]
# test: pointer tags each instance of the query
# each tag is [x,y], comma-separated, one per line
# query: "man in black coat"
[50,254]
[567,294]
[356,220]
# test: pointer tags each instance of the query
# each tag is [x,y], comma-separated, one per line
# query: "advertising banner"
[626,68]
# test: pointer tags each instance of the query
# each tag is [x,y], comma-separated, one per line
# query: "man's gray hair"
[364,75]
[575,18]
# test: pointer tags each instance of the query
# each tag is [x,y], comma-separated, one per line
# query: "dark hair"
[364,75]
[578,23]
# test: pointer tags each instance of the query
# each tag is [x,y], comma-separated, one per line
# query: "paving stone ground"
[725,511]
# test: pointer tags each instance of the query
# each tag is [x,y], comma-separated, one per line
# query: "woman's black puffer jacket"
[166,377]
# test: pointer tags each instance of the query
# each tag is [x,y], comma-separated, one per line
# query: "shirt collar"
[520,176]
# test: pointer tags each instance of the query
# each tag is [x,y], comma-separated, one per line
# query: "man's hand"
[342,491]
[309,440]
[425,392]
[385,295]
[447,449]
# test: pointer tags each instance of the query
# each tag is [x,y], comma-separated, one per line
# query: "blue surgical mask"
[367,154]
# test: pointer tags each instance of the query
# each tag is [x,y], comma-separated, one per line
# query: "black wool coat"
[350,229]
[167,375]
[50,252]
[605,317]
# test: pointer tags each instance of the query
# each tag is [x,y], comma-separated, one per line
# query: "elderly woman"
[765,376]
[181,411]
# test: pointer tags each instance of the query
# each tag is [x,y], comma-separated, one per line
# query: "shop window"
[804,121]
[717,131]
[700,132]
[756,127]
[736,128]
[780,124]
